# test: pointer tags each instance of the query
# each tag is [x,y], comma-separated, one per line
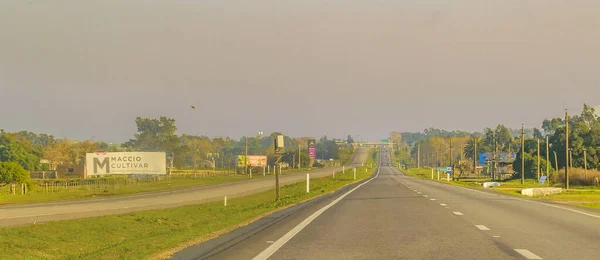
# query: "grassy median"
[146,234]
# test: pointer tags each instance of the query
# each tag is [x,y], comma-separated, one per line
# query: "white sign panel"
[126,163]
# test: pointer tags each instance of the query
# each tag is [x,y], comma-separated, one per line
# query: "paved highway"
[393,216]
[36,213]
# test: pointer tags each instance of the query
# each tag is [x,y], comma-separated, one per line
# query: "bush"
[578,177]
[11,172]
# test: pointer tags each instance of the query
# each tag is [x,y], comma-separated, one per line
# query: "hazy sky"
[83,69]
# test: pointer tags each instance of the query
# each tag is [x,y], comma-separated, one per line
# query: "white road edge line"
[443,205]
[432,199]
[482,228]
[289,235]
[458,213]
[527,254]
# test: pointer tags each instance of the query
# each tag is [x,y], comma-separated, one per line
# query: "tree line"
[433,145]
[31,152]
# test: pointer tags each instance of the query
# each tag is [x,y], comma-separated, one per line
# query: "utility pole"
[522,154]
[556,161]
[474,156]
[279,144]
[585,163]
[494,155]
[567,149]
[299,154]
[570,159]
[538,161]
[547,157]
[246,156]
[418,155]
[451,166]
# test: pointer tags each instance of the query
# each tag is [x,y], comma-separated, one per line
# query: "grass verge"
[146,234]
[90,192]
[66,195]
[586,196]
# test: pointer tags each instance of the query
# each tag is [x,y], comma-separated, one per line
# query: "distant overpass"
[371,144]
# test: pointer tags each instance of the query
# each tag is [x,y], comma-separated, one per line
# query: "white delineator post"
[343,168]
[225,201]
[264,171]
[355,173]
[432,173]
[438,175]
[447,177]
[250,172]
[308,183]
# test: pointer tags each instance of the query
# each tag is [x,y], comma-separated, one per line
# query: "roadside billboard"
[253,161]
[126,163]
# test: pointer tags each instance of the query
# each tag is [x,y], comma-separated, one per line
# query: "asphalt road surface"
[35,213]
[392,216]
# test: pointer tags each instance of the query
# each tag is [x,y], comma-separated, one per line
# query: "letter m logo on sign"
[102,165]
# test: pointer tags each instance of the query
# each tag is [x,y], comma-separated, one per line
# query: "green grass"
[177,182]
[62,195]
[145,234]
[586,196]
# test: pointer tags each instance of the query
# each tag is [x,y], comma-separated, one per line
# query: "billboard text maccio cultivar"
[126,163]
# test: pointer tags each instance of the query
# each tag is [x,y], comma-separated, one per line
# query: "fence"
[115,182]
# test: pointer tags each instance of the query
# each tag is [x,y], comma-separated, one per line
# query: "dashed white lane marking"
[443,205]
[432,199]
[425,196]
[496,236]
[482,227]
[270,242]
[527,254]
[269,251]
[458,213]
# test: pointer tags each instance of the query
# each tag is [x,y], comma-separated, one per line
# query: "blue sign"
[449,170]
[485,157]
[543,179]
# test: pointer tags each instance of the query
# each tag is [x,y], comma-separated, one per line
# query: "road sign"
[543,179]
[385,140]
[449,170]
[312,149]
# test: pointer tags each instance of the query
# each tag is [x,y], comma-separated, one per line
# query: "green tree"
[350,140]
[154,135]
[11,172]
[19,150]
